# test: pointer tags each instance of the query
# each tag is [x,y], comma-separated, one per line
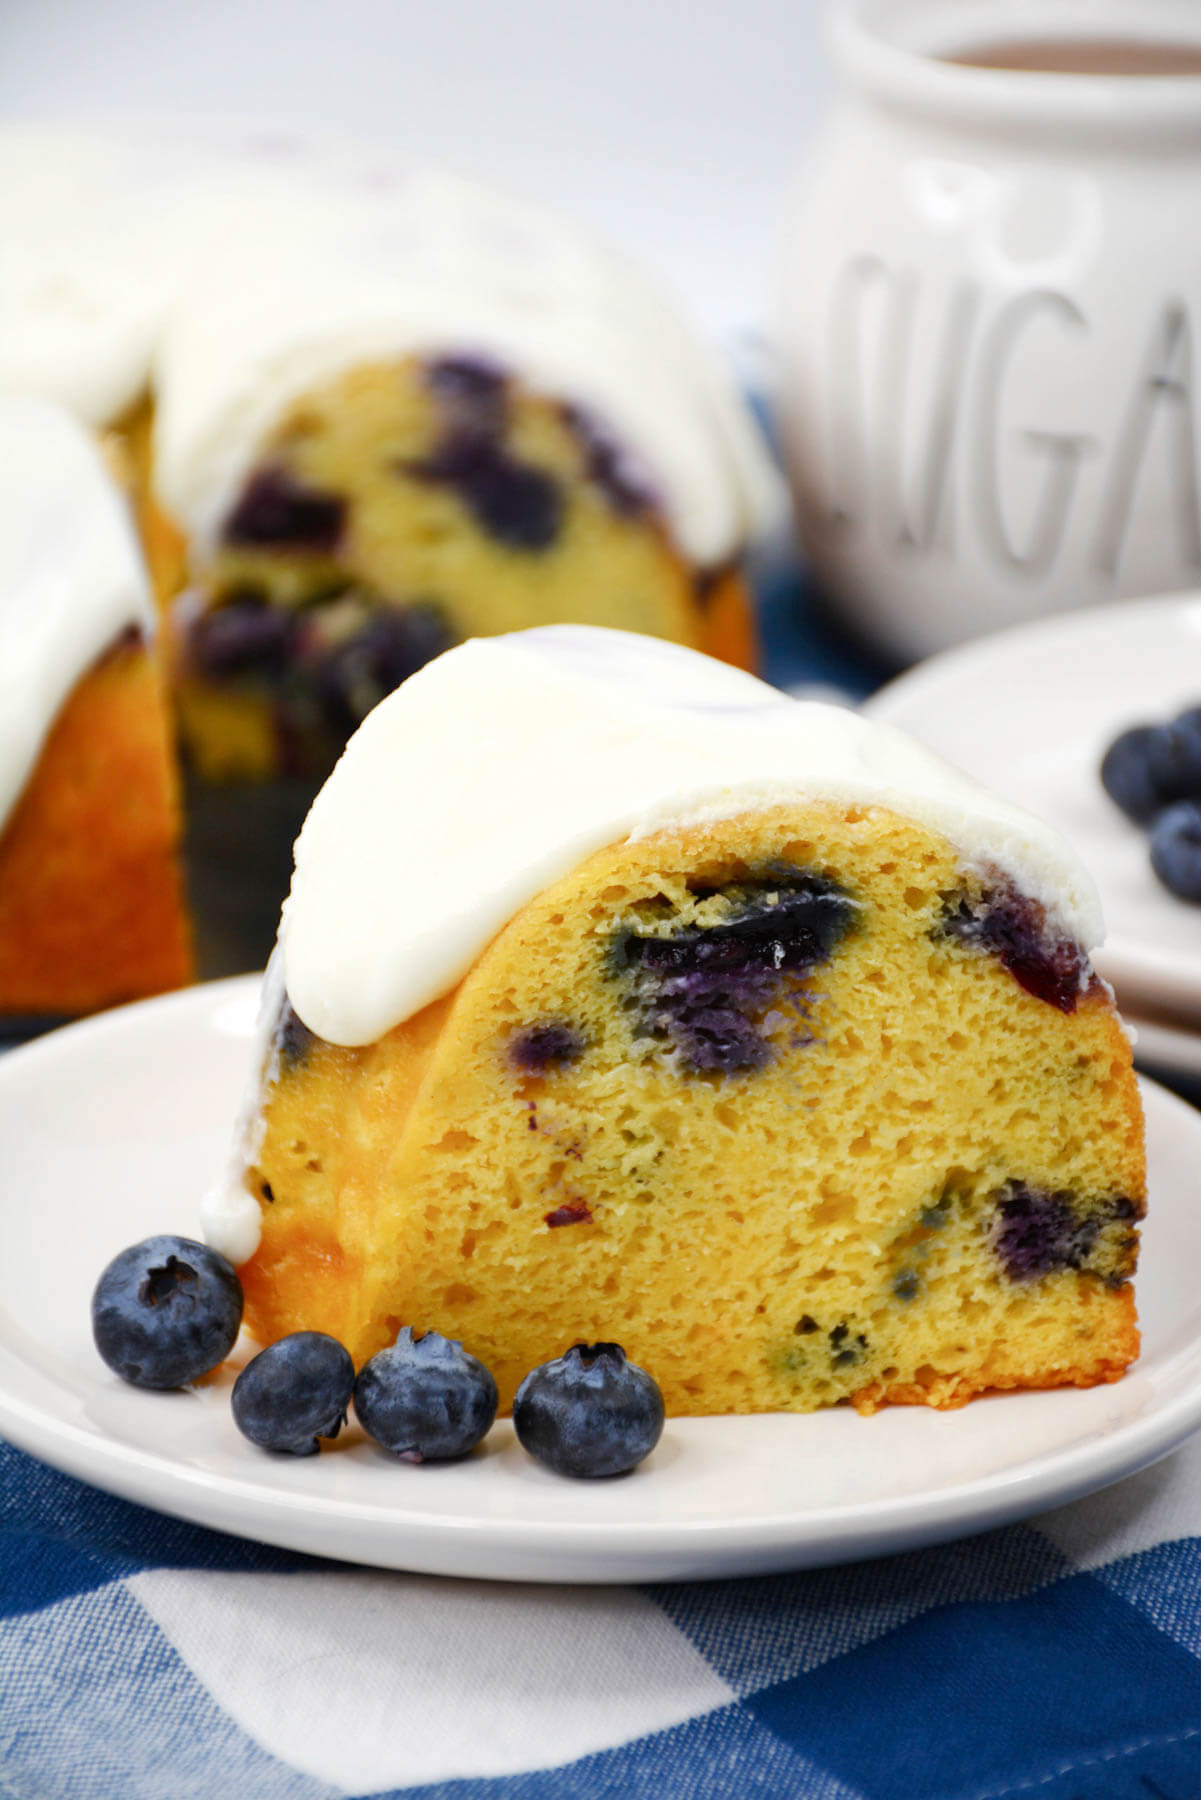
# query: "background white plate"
[112,1128]
[1163,1045]
[1031,712]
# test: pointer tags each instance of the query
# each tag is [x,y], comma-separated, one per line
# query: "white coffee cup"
[990,341]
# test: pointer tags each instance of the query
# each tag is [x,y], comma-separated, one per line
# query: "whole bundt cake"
[368,411]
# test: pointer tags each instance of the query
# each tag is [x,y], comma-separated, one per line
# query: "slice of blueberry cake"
[734,1030]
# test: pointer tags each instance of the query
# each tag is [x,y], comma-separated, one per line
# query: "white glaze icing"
[500,766]
[230,1215]
[99,231]
[429,265]
[71,574]
[94,236]
[231,1219]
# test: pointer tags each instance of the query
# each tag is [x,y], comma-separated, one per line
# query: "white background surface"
[673,128]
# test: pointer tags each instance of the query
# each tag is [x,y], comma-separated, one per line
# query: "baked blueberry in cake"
[721,988]
[737,1031]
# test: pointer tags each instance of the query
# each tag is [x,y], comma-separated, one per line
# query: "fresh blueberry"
[589,1413]
[166,1311]
[1126,773]
[425,1398]
[293,1392]
[1174,760]
[1176,849]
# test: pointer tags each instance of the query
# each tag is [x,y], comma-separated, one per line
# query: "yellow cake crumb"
[828,1226]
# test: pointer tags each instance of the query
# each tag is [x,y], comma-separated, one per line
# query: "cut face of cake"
[91,909]
[422,419]
[670,1012]
[395,512]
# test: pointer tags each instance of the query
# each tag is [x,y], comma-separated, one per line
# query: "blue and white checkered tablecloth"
[146,1659]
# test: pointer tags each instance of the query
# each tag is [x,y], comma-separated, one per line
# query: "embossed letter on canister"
[991,331]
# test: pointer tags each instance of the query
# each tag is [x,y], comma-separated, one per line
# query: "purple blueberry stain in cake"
[1119,1239]
[615,470]
[469,390]
[1040,1231]
[716,993]
[1015,929]
[514,502]
[1037,1232]
[292,1040]
[906,1284]
[705,999]
[276,510]
[572,1212]
[244,635]
[806,1325]
[352,677]
[550,1045]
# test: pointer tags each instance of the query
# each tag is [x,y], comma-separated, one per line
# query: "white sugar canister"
[990,339]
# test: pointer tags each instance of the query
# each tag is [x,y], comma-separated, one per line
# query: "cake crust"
[91,904]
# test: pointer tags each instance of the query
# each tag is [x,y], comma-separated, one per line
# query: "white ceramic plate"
[1162,1046]
[112,1128]
[1031,712]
